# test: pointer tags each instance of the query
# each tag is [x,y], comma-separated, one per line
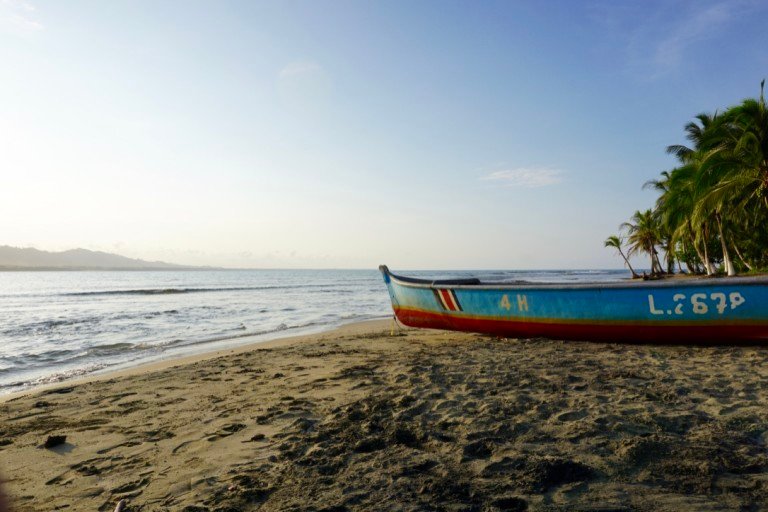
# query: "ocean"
[57,326]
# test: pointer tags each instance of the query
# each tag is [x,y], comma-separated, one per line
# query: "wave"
[111,348]
[54,378]
[233,336]
[48,327]
[175,291]
[87,360]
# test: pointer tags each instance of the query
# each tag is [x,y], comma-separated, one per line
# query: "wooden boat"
[733,309]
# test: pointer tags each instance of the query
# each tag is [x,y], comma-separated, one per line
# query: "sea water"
[60,325]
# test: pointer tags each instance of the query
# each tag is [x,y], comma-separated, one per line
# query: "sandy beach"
[359,419]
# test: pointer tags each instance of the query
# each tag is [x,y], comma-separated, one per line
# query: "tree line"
[711,215]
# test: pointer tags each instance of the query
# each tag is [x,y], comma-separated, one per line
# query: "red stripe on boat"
[440,300]
[448,300]
[617,332]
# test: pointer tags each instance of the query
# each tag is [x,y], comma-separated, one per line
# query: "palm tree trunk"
[707,263]
[650,251]
[634,274]
[726,257]
[656,267]
[743,261]
[700,255]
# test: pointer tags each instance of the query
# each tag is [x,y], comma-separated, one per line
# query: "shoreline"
[161,364]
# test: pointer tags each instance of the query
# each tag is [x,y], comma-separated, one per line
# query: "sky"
[346,134]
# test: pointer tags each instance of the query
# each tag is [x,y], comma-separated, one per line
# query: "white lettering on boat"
[652,307]
[698,303]
[736,300]
[677,298]
[721,301]
[522,302]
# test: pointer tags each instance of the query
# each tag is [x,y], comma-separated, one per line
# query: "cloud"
[18,16]
[525,177]
[658,38]
[703,24]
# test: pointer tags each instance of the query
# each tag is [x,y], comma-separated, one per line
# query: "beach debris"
[54,441]
[257,437]
[121,506]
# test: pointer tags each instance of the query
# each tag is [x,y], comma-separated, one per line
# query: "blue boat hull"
[686,310]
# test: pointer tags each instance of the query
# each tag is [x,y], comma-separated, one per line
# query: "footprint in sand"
[571,415]
[226,431]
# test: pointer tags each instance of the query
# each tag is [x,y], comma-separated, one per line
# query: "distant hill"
[16,258]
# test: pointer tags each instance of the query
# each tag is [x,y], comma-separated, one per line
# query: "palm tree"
[643,236]
[666,231]
[741,152]
[700,177]
[736,166]
[716,201]
[616,242]
[676,209]
[675,205]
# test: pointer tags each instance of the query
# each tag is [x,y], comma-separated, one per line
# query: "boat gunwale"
[414,282]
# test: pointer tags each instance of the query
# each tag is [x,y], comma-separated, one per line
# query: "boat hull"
[680,311]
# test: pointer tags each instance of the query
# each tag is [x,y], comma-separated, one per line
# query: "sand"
[357,419]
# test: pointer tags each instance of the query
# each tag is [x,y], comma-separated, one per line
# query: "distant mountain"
[16,258]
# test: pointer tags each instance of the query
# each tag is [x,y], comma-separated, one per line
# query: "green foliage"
[616,242]
[644,233]
[712,208]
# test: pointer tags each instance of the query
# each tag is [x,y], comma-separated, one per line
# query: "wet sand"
[357,419]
